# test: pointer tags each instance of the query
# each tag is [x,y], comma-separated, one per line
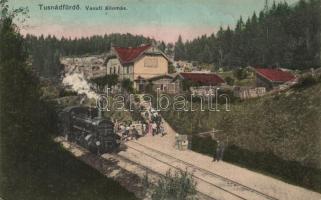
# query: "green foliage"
[307,81]
[280,35]
[109,80]
[32,166]
[186,84]
[65,93]
[127,84]
[179,50]
[45,51]
[283,128]
[171,69]
[229,80]
[178,185]
[162,46]
[240,73]
[145,181]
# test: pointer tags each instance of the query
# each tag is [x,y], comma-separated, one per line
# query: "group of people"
[154,123]
[128,131]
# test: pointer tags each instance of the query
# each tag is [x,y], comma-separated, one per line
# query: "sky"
[159,19]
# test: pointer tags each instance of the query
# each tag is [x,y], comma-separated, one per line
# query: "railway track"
[151,171]
[143,169]
[233,188]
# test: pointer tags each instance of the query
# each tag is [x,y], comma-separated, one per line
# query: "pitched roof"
[128,55]
[275,75]
[160,77]
[203,78]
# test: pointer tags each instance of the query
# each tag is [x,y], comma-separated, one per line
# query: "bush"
[179,185]
[229,80]
[240,73]
[109,80]
[65,93]
[127,84]
[307,81]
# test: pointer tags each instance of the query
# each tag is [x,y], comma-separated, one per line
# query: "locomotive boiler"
[83,126]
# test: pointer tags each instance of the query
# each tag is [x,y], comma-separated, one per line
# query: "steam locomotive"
[84,126]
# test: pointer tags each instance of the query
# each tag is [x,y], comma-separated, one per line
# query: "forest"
[45,51]
[281,35]
[32,165]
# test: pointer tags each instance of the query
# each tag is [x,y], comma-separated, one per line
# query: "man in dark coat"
[216,154]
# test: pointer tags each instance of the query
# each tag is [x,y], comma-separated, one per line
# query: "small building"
[164,83]
[249,92]
[137,63]
[272,78]
[199,79]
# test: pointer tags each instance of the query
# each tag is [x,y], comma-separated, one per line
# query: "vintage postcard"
[160,99]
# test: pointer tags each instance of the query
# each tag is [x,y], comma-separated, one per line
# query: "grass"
[277,134]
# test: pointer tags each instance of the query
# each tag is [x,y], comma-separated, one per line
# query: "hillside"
[277,134]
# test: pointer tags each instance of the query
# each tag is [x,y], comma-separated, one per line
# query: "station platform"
[271,187]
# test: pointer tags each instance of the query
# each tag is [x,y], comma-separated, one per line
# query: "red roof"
[128,55]
[275,75]
[203,78]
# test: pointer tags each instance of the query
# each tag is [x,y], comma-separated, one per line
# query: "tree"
[229,80]
[171,68]
[127,84]
[187,84]
[240,73]
[281,36]
[179,51]
[162,46]
[25,119]
[109,80]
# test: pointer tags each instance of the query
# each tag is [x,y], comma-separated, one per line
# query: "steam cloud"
[75,80]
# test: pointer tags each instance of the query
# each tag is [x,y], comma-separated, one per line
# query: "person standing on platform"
[216,154]
[150,128]
[144,129]
[154,127]
[222,148]
[162,130]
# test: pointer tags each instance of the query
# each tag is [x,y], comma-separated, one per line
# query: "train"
[84,126]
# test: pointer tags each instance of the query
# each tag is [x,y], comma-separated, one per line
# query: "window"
[151,62]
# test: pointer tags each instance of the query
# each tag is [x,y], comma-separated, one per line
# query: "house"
[137,64]
[272,78]
[201,79]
